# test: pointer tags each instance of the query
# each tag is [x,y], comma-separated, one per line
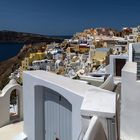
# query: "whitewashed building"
[130,95]
[59,108]
[130,103]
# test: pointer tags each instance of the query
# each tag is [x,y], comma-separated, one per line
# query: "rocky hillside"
[8,66]
[19,37]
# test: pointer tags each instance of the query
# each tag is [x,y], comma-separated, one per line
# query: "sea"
[8,50]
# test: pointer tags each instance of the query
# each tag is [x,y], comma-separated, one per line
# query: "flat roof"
[100,103]
[61,81]
[103,49]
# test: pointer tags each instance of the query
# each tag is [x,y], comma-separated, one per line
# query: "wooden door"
[119,63]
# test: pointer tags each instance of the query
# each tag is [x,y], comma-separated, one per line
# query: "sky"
[65,17]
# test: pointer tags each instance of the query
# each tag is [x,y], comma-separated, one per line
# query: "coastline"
[13,63]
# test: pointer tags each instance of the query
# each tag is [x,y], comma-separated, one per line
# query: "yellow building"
[28,61]
[73,48]
[100,57]
[25,63]
[78,48]
[36,56]
[83,49]
[24,66]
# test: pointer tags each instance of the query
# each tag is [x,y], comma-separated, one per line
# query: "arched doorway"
[11,102]
[14,110]
[58,116]
[53,115]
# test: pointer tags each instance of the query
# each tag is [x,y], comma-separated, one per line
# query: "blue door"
[57,116]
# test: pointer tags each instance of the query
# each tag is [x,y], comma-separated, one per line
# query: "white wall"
[33,122]
[35,82]
[4,111]
[130,52]
[5,103]
[130,104]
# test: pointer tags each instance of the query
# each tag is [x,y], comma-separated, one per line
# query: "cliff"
[20,37]
[8,66]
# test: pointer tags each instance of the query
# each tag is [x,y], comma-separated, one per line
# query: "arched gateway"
[6,115]
[57,115]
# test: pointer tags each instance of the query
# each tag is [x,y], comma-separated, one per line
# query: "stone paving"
[9,132]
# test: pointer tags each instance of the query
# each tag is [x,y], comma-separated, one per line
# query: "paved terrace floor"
[9,132]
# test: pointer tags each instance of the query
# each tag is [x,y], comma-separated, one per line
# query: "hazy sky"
[65,17]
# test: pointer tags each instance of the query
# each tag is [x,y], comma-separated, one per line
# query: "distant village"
[85,88]
[87,55]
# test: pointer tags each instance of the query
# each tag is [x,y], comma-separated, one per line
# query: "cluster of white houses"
[55,107]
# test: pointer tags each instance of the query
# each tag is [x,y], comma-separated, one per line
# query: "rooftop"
[61,81]
[103,49]
[100,103]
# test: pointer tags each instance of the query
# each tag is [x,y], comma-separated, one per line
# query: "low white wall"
[130,104]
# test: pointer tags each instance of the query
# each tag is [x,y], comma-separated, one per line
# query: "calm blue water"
[8,50]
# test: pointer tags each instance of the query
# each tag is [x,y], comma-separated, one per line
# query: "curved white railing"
[108,84]
[95,130]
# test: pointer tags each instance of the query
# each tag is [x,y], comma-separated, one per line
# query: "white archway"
[5,101]
[52,108]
